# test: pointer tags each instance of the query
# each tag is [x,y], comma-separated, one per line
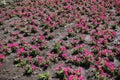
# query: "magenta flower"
[66,1]
[15,33]
[70,77]
[81,78]
[106,52]
[22,50]
[40,59]
[80,46]
[65,71]
[0,64]
[71,1]
[56,69]
[35,48]
[36,28]
[62,48]
[102,75]
[42,37]
[102,16]
[87,53]
[73,77]
[114,33]
[70,30]
[34,67]
[2,56]
[110,65]
[117,2]
[75,41]
[13,45]
[77,71]
[64,55]
[68,7]
[60,66]
[29,58]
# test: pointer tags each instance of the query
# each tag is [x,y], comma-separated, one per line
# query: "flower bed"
[60,40]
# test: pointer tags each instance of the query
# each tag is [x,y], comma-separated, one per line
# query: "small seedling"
[28,70]
[60,74]
[33,53]
[44,76]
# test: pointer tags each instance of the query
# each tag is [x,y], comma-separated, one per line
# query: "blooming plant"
[2,56]
[78,49]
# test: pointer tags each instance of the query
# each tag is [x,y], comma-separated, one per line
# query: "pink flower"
[78,47]
[66,1]
[70,77]
[60,65]
[94,0]
[114,33]
[81,78]
[100,61]
[71,1]
[87,53]
[0,64]
[64,55]
[73,77]
[119,68]
[42,37]
[15,33]
[68,7]
[40,59]
[102,75]
[75,58]
[56,69]
[70,30]
[13,45]
[93,31]
[22,50]
[75,41]
[102,17]
[110,65]
[20,58]
[106,52]
[117,2]
[63,48]
[65,71]
[49,18]
[35,48]
[34,67]
[29,58]
[108,75]
[2,56]
[77,72]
